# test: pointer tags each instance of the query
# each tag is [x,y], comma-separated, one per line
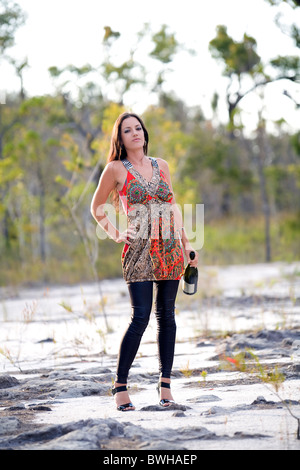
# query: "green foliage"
[110,35]
[11,18]
[287,64]
[165,44]
[236,240]
[45,170]
[295,140]
[239,57]
[53,149]
[292,3]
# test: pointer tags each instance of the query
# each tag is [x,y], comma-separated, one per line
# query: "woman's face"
[132,134]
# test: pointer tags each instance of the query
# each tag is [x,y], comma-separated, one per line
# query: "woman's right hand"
[188,250]
[124,237]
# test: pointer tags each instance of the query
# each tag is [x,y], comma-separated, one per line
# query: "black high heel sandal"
[122,388]
[164,401]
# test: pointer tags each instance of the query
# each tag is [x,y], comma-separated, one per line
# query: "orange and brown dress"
[155,253]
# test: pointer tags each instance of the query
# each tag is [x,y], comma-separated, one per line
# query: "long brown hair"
[118,151]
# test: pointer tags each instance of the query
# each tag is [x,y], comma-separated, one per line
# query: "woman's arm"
[107,183]
[178,216]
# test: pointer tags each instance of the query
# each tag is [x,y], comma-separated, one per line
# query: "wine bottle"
[190,278]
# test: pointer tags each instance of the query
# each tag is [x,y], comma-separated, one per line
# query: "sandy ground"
[55,345]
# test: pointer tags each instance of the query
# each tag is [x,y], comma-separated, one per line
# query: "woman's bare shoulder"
[115,167]
[163,164]
[117,171]
[116,164]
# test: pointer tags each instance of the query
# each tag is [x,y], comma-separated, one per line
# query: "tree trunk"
[42,232]
[261,159]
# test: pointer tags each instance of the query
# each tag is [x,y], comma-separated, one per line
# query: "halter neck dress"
[155,253]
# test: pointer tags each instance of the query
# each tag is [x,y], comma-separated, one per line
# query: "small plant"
[102,335]
[186,371]
[66,306]
[267,376]
[203,375]
[6,353]
[29,311]
[237,362]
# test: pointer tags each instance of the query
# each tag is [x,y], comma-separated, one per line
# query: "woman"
[152,254]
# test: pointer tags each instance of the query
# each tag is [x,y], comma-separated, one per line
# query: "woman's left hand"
[194,262]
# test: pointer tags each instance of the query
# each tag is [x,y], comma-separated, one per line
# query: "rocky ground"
[58,363]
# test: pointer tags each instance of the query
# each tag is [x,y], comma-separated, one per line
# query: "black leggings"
[141,295]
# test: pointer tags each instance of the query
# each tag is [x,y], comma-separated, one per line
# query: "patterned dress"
[155,253]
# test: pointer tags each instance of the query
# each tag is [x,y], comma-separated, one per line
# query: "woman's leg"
[166,329]
[141,294]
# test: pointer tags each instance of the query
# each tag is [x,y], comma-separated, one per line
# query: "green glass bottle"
[190,278]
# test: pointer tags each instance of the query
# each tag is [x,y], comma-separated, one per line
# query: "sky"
[62,32]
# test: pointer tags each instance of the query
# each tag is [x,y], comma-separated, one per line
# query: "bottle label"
[188,288]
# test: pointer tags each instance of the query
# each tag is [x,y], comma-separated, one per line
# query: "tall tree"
[288,66]
[240,60]
[11,18]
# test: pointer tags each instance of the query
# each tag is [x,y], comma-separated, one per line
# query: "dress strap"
[154,162]
[127,164]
